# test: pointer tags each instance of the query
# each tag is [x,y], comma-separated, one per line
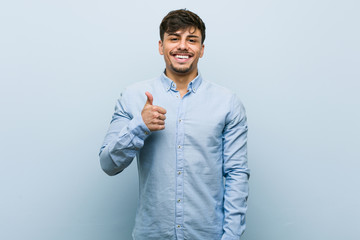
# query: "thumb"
[149,98]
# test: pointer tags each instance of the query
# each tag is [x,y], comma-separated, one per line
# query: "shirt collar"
[170,85]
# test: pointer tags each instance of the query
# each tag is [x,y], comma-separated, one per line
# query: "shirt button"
[179,173]
[178,226]
[179,146]
[178,200]
[146,133]
[180,120]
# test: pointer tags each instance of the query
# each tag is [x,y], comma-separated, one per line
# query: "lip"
[182,57]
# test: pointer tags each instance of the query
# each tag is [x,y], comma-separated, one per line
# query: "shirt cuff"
[138,128]
[227,237]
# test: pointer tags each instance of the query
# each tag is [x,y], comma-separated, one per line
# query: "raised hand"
[153,116]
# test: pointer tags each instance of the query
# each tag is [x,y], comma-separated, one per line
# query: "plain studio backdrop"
[294,64]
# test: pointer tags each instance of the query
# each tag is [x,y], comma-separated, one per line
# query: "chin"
[181,70]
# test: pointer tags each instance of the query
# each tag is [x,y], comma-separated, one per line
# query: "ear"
[202,50]
[161,47]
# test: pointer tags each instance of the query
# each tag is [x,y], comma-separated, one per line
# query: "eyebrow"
[188,36]
[193,36]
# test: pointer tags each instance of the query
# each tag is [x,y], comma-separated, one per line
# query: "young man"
[190,140]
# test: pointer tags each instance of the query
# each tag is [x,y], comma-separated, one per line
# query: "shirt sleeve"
[124,139]
[235,171]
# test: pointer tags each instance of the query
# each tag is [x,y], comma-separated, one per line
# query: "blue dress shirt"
[193,175]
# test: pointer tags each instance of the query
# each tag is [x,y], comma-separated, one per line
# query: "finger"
[160,127]
[161,117]
[157,127]
[160,122]
[160,110]
[150,98]
[157,115]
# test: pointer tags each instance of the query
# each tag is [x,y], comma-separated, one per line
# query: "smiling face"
[182,50]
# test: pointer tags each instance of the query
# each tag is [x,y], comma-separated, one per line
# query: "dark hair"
[179,20]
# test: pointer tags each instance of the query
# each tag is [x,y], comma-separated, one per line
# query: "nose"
[182,44]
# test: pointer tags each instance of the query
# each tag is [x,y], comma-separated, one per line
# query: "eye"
[173,39]
[192,40]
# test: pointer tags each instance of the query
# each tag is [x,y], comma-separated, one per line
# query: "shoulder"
[133,97]
[140,87]
[228,100]
[136,91]
[227,96]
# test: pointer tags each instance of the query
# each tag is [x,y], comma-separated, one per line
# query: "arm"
[126,134]
[125,137]
[235,171]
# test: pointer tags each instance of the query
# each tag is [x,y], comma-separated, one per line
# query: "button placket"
[179,170]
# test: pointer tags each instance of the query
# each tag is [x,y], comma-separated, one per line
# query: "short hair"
[179,20]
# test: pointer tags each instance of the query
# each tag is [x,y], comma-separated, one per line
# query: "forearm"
[235,203]
[121,146]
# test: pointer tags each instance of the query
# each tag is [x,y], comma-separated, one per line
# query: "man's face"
[182,50]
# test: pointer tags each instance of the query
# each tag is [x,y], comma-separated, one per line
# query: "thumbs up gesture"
[153,116]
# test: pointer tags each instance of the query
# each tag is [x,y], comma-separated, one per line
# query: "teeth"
[182,56]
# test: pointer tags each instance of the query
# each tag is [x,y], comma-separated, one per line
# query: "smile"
[182,56]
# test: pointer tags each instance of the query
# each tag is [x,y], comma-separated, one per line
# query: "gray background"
[294,64]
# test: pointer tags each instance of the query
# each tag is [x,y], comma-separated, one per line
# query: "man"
[189,137]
